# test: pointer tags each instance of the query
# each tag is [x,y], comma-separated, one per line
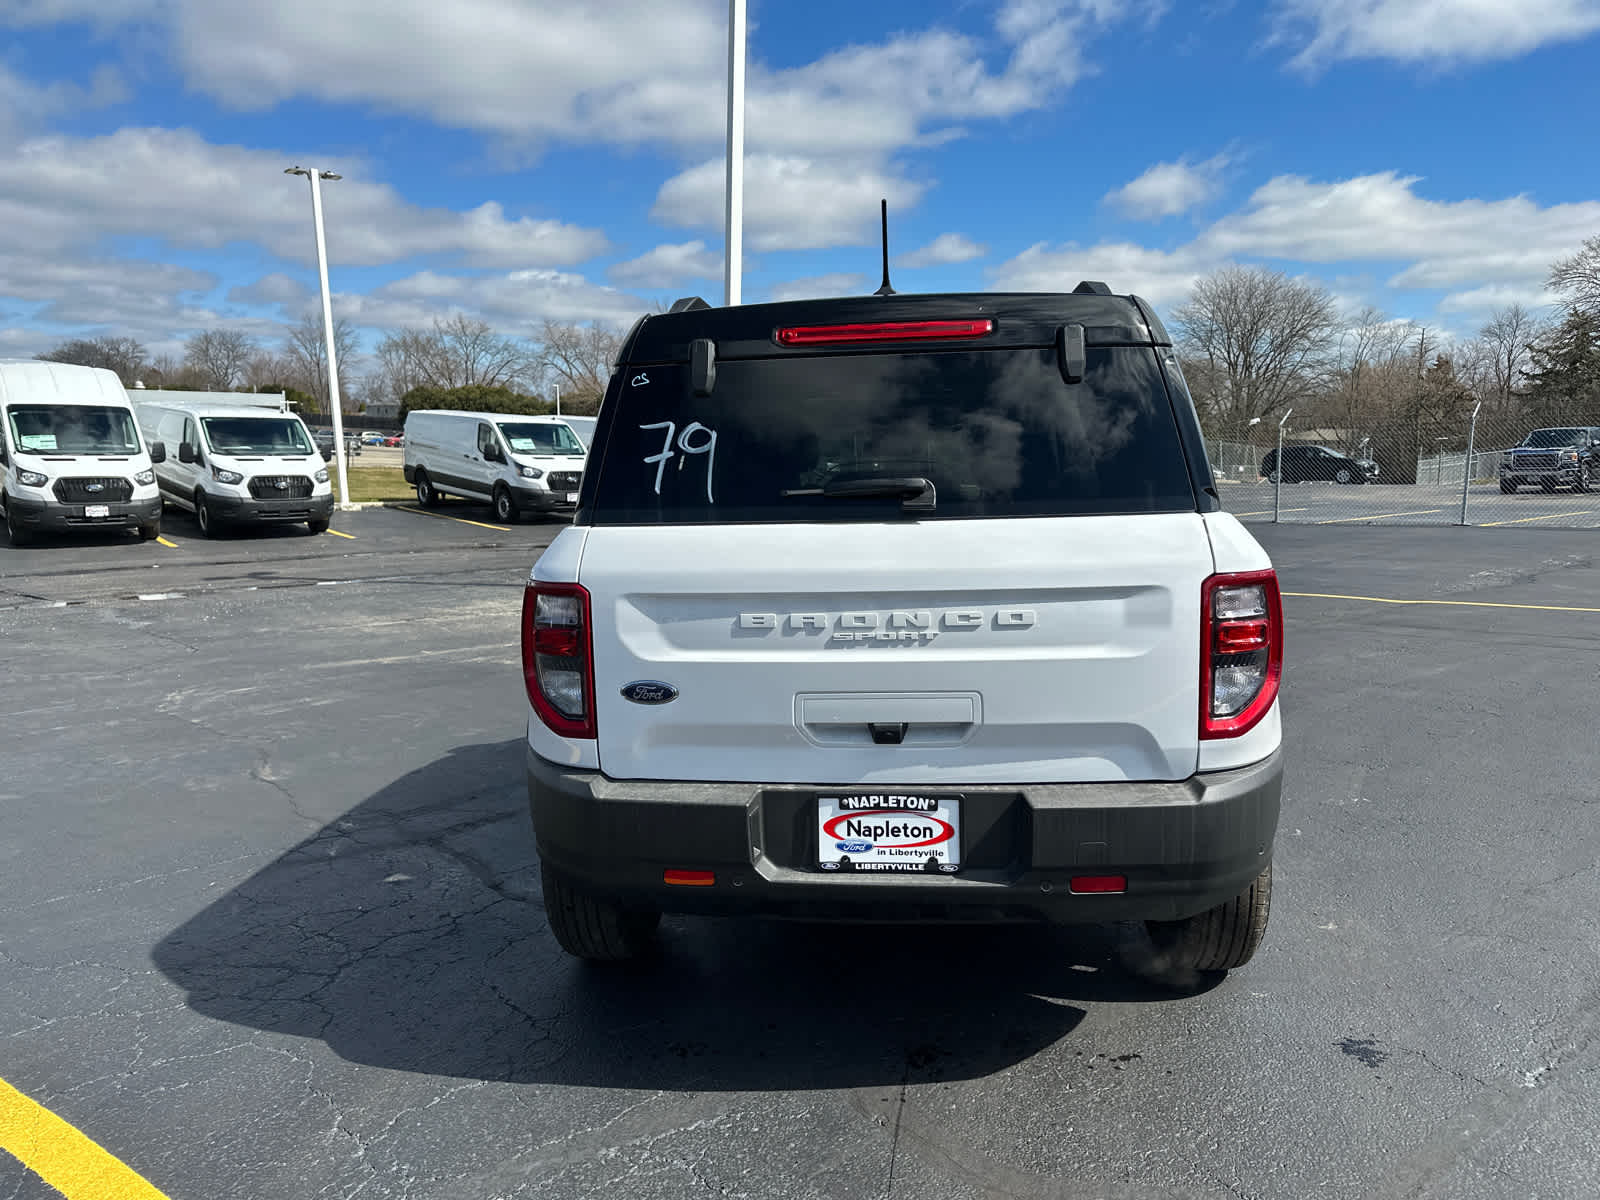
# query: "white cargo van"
[517,463]
[71,452]
[238,464]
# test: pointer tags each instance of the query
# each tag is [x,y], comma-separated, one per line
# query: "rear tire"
[1220,938]
[1343,475]
[592,929]
[426,496]
[318,526]
[505,505]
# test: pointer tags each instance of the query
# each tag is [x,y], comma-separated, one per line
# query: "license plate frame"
[96,510]
[886,832]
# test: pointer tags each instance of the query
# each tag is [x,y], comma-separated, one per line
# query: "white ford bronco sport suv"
[904,608]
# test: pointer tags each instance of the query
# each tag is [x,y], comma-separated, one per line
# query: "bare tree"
[219,356]
[269,371]
[1262,337]
[1506,340]
[124,355]
[580,359]
[1577,278]
[461,351]
[1370,371]
[306,348]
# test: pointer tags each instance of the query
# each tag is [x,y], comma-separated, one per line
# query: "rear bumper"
[1184,847]
[51,516]
[236,509]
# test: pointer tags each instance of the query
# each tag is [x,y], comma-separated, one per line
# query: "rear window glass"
[996,433]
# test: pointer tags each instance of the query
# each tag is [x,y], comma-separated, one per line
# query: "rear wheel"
[505,505]
[426,496]
[1343,475]
[593,929]
[1220,938]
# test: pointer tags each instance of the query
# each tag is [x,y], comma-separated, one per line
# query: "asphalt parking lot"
[273,926]
[1410,504]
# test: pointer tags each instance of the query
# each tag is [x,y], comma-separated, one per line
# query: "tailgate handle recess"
[906,719]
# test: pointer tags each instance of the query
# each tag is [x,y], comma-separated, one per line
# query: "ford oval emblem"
[854,847]
[94,487]
[650,691]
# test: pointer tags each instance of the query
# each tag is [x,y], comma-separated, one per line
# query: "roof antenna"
[885,290]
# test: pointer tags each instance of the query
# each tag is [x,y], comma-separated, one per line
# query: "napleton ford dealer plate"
[889,831]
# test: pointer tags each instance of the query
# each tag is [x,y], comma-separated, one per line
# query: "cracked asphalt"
[273,929]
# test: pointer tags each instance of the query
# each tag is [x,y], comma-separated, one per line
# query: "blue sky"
[524,159]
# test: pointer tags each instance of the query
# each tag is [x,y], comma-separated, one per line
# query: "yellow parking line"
[61,1156]
[161,541]
[1582,512]
[1442,603]
[1421,512]
[1267,512]
[460,520]
[336,533]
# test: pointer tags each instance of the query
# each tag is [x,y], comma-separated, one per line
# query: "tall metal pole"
[316,176]
[1466,468]
[733,266]
[1277,469]
[558,399]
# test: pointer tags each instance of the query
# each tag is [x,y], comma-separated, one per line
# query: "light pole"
[316,176]
[733,258]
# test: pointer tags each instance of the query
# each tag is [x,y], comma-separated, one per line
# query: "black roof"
[1020,319]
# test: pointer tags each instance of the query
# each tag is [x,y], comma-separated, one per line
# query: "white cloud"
[819,287]
[668,266]
[1380,218]
[1159,276]
[1438,31]
[275,289]
[511,302]
[172,185]
[945,250]
[99,291]
[1169,189]
[625,72]
[24,103]
[790,203]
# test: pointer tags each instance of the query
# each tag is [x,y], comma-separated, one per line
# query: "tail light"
[1241,651]
[558,657]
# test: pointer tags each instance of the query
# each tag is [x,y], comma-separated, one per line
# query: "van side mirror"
[158,452]
[327,454]
[186,453]
[492,454]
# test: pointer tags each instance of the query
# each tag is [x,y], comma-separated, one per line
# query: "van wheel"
[426,496]
[150,532]
[505,507]
[318,526]
[203,515]
[14,530]
[1220,938]
[592,929]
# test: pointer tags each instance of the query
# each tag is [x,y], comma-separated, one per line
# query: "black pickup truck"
[1564,457]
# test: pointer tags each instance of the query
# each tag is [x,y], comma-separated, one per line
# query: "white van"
[72,455]
[517,463]
[584,428]
[238,464]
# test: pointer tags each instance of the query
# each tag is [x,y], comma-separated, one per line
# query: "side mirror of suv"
[187,454]
[158,452]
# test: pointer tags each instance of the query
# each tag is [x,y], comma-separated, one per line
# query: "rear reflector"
[883,331]
[689,878]
[1098,885]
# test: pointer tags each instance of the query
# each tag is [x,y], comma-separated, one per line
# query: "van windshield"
[72,429]
[540,438]
[843,438]
[256,435]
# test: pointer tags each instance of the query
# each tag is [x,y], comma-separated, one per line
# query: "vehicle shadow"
[409,934]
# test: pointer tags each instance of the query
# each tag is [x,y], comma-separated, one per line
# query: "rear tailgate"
[1056,649]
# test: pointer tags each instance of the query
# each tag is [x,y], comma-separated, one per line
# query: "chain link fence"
[1481,470]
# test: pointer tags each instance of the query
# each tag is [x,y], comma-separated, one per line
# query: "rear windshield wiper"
[915,493]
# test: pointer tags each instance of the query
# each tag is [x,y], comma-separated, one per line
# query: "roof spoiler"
[688,304]
[1091,287]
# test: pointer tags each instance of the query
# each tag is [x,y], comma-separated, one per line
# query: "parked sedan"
[1306,464]
[396,440]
